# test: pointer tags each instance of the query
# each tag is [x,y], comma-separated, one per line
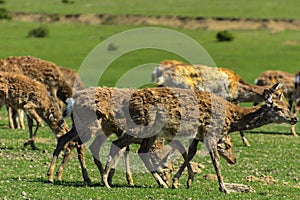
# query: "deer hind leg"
[61,142]
[30,116]
[81,151]
[95,148]
[244,139]
[191,152]
[213,151]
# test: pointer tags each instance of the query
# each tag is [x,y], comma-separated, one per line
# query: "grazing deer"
[177,114]
[20,92]
[40,70]
[220,81]
[96,112]
[271,77]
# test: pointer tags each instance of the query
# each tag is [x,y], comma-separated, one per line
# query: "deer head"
[225,149]
[277,108]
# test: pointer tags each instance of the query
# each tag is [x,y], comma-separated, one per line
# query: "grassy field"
[273,154]
[206,8]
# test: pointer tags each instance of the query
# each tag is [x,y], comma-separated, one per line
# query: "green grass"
[251,53]
[206,8]
[274,153]
[24,170]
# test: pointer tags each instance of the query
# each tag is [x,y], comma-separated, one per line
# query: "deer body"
[171,113]
[20,92]
[40,70]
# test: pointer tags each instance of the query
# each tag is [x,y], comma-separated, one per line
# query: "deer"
[270,77]
[95,115]
[176,114]
[220,81]
[21,92]
[40,70]
[99,102]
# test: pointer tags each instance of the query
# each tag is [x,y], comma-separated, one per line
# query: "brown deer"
[178,114]
[40,70]
[21,92]
[96,112]
[220,81]
[271,77]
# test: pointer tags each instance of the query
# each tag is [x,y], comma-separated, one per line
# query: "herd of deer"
[191,102]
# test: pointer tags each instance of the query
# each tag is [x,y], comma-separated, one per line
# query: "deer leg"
[191,153]
[95,148]
[21,118]
[81,151]
[244,139]
[116,146]
[144,155]
[67,153]
[216,162]
[61,142]
[127,166]
[296,111]
[11,122]
[113,168]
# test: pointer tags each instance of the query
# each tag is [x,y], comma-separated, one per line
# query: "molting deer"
[175,114]
[21,92]
[40,70]
[220,81]
[271,77]
[96,112]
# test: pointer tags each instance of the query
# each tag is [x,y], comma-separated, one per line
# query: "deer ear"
[277,86]
[268,97]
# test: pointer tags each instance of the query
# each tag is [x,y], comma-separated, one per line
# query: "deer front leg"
[116,146]
[191,153]
[296,111]
[144,155]
[80,152]
[216,162]
[67,153]
[61,142]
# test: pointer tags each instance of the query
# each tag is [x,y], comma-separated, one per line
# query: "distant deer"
[175,114]
[220,81]
[271,77]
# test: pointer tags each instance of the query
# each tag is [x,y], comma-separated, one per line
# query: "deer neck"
[250,93]
[250,118]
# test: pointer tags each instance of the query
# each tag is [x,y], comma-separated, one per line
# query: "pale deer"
[177,114]
[220,81]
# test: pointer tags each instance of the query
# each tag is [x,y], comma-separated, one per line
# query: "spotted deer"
[95,114]
[270,77]
[21,92]
[177,114]
[220,81]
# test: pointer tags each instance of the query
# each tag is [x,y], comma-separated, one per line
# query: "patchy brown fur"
[271,77]
[72,78]
[20,92]
[96,112]
[177,114]
[40,70]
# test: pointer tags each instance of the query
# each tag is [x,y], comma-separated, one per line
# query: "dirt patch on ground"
[193,23]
